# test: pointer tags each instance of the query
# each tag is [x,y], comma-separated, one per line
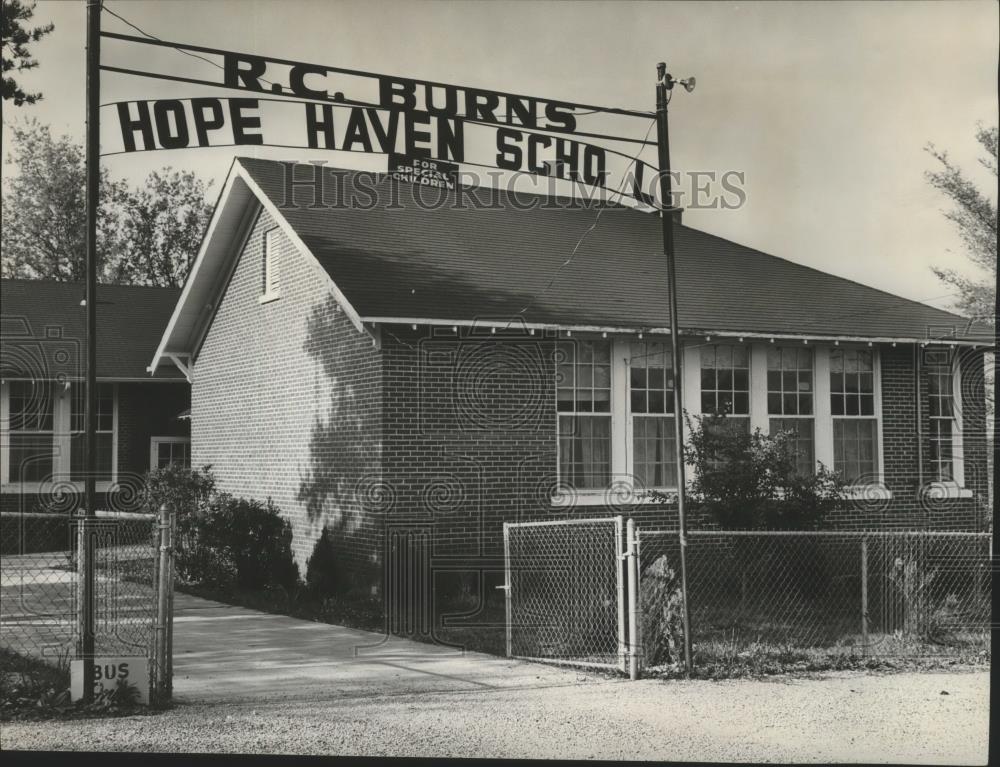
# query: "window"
[32,415]
[725,382]
[852,405]
[651,401]
[43,436]
[583,403]
[272,263]
[616,415]
[104,426]
[167,451]
[790,400]
[941,410]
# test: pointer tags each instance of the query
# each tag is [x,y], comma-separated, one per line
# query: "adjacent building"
[141,419]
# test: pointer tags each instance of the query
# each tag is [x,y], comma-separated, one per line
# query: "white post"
[635,639]
[507,582]
[620,587]
[162,606]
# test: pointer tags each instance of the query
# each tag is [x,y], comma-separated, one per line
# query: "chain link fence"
[565,591]
[41,578]
[769,599]
[813,595]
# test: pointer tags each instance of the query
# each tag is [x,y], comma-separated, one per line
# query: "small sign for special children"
[308,106]
[435,173]
[108,672]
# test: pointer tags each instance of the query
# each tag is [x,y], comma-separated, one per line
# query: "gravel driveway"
[844,717]
[247,682]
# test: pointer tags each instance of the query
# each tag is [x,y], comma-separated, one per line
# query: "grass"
[740,656]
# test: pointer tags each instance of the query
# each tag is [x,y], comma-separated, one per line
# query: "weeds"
[32,689]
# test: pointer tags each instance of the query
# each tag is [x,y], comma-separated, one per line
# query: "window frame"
[630,416]
[954,374]
[113,431]
[614,390]
[61,442]
[154,448]
[52,432]
[811,417]
[875,416]
[748,348]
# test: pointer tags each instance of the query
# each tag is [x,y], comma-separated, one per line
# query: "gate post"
[507,583]
[864,596]
[164,593]
[634,635]
[87,598]
[620,554]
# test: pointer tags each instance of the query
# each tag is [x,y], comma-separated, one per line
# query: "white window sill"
[268,297]
[609,497]
[940,491]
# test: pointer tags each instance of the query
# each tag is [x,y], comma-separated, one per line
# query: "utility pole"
[87,550]
[664,84]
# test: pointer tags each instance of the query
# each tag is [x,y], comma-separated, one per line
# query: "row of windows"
[32,432]
[584,374]
[34,442]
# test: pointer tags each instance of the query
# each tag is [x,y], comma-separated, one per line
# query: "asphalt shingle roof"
[43,329]
[398,259]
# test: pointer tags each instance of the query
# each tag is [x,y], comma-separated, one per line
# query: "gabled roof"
[459,262]
[43,329]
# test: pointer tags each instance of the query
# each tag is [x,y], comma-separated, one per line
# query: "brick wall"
[470,436]
[471,442]
[285,403]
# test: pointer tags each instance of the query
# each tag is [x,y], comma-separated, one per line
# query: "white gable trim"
[185,330]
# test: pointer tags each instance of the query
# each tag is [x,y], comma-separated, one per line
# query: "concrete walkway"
[224,653]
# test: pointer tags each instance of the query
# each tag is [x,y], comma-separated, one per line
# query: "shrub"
[749,480]
[324,575]
[221,539]
[186,491]
[247,540]
[330,573]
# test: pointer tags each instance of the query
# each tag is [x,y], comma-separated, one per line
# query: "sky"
[826,108]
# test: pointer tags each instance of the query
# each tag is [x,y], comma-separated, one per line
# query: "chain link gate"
[566,592]
[41,577]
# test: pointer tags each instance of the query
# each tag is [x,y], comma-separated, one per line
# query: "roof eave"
[507,324]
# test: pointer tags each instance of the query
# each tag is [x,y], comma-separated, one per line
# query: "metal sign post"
[665,83]
[87,550]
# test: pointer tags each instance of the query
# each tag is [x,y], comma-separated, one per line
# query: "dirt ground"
[909,718]
[247,682]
